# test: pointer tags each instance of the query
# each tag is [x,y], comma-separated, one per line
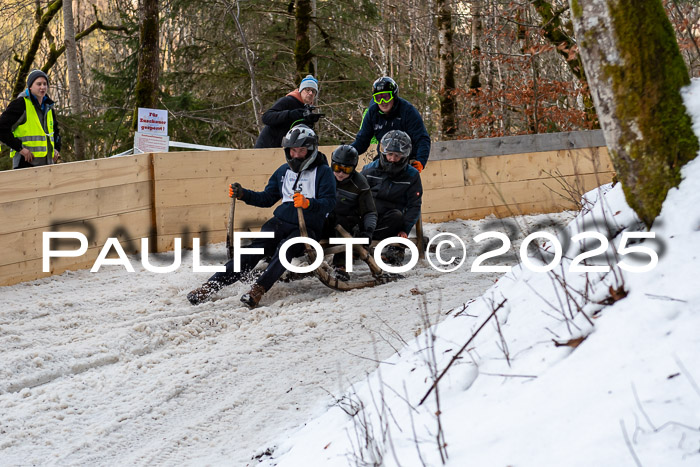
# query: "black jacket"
[353,199]
[279,119]
[402,191]
[403,116]
[15,115]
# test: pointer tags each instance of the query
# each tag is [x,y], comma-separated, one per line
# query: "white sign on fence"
[144,142]
[152,121]
[151,131]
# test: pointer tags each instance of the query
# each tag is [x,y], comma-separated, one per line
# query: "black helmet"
[398,142]
[345,155]
[385,84]
[300,136]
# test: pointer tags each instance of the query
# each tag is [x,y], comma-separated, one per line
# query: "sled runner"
[325,272]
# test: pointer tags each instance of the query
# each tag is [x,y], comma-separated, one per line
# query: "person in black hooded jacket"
[388,112]
[354,205]
[293,109]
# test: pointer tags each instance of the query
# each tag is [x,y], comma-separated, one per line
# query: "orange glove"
[300,201]
[417,165]
[235,189]
[403,234]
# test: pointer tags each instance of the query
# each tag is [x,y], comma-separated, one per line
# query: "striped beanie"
[309,82]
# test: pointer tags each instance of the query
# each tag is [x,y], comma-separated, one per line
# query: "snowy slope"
[118,368]
[113,368]
[627,394]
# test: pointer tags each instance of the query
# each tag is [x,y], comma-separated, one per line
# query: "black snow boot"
[393,255]
[202,293]
[341,274]
[252,298]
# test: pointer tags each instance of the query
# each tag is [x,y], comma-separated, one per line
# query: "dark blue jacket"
[403,191]
[280,187]
[403,116]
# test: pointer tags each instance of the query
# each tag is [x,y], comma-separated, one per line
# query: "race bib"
[307,184]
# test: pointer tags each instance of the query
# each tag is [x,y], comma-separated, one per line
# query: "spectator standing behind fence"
[389,112]
[28,125]
[293,109]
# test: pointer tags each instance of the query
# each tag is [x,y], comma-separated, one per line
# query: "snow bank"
[573,372]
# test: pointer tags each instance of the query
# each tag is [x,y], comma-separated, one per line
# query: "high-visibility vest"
[36,137]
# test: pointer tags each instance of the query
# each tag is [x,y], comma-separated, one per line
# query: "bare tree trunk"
[313,35]
[386,12]
[635,71]
[558,32]
[522,17]
[428,61]
[76,96]
[535,93]
[411,40]
[477,32]
[302,50]
[26,63]
[146,89]
[394,49]
[248,58]
[448,122]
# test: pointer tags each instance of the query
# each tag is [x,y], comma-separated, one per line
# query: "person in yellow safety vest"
[28,125]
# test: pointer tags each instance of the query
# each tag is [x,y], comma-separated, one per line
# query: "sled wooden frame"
[325,272]
[419,241]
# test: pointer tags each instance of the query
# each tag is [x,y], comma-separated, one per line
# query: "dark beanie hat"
[34,75]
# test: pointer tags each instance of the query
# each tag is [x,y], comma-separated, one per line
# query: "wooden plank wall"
[192,192]
[184,194]
[473,188]
[101,198]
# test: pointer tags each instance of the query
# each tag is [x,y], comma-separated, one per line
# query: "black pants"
[389,224]
[283,231]
[349,223]
[23,164]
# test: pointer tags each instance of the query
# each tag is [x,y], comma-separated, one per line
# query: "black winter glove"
[235,189]
[357,233]
[312,118]
[297,114]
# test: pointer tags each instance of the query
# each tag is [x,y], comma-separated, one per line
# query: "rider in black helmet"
[304,181]
[354,206]
[398,143]
[298,137]
[396,187]
[387,112]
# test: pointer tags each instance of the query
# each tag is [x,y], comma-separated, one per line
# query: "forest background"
[474,69]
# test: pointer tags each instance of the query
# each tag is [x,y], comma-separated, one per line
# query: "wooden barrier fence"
[184,194]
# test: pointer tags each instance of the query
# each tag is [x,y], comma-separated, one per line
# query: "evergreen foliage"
[528,77]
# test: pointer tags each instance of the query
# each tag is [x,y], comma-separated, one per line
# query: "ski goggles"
[383,97]
[346,169]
